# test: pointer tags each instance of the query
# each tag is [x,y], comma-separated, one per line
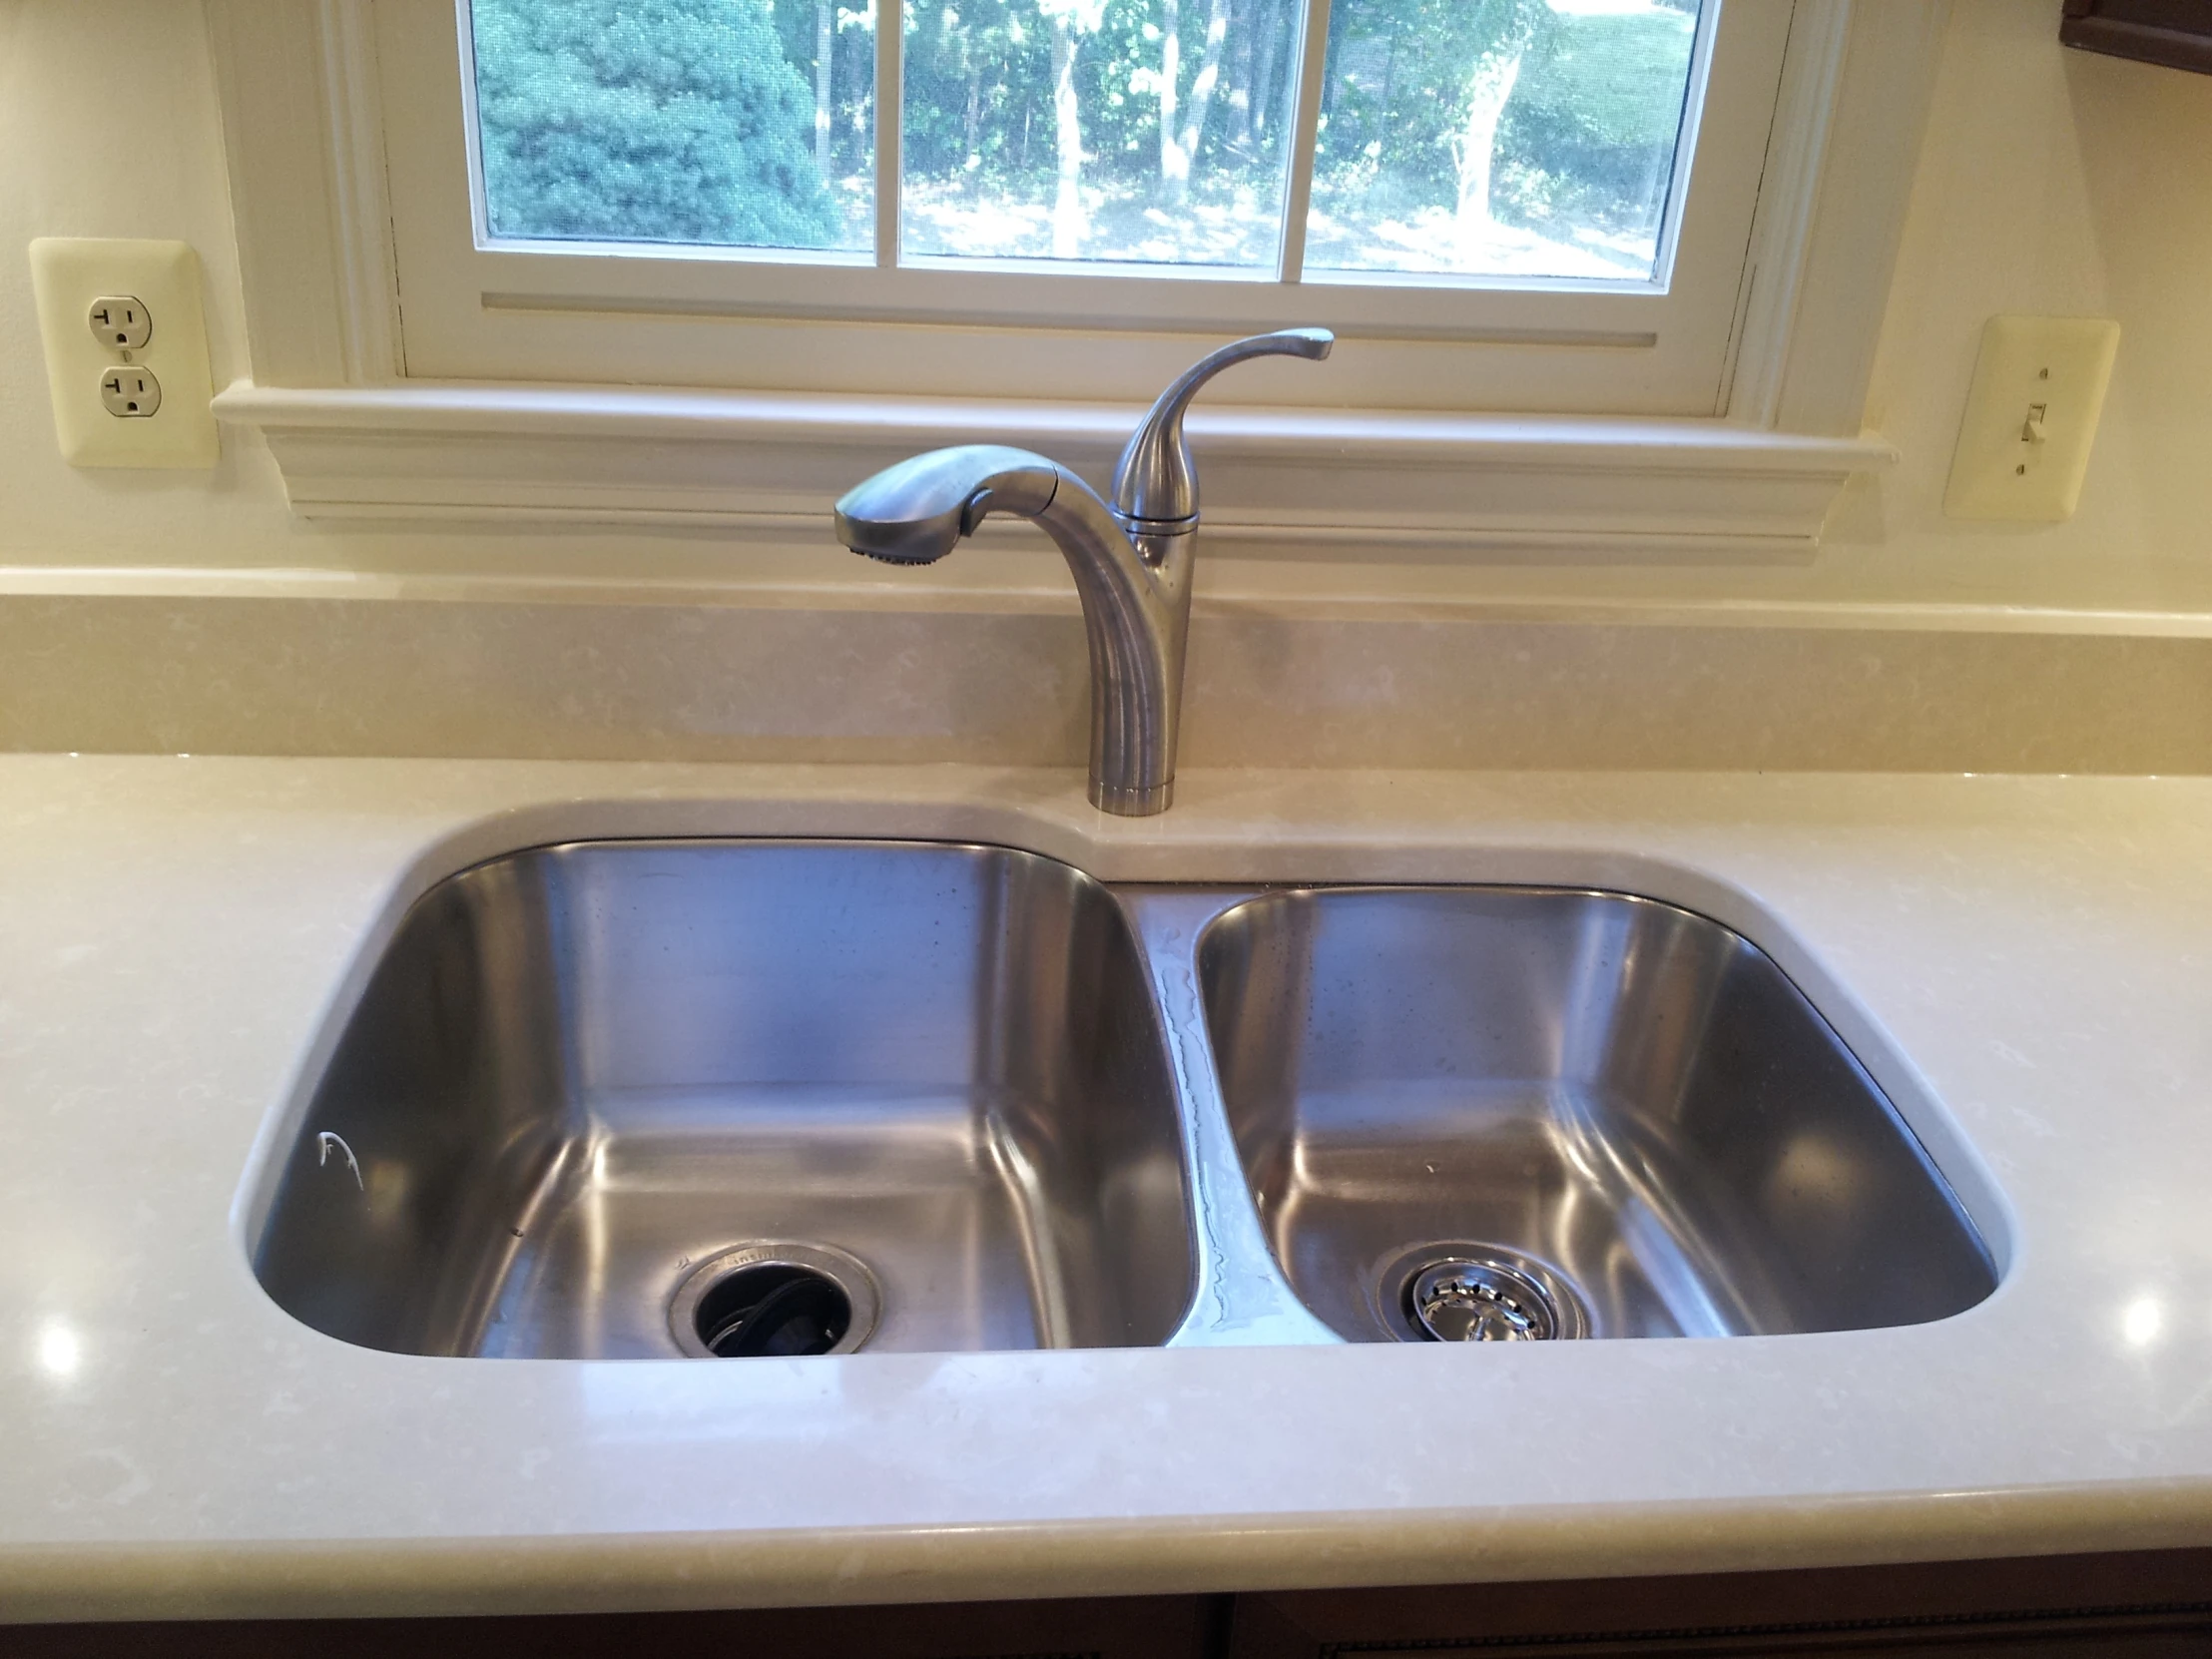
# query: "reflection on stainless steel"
[1132,561]
[1626,1092]
[581,1071]
[638,1099]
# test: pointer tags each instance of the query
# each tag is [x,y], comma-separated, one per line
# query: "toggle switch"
[2038,389]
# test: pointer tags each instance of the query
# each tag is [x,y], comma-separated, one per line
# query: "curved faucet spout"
[1132,561]
[1136,593]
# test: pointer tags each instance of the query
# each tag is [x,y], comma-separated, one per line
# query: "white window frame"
[1541,419]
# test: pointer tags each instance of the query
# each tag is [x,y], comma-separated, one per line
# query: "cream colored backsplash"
[1009,687]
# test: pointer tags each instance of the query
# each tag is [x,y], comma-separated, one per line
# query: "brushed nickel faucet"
[1132,560]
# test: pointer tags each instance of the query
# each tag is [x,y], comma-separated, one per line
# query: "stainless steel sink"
[1597,1113]
[615,1100]
[688,1098]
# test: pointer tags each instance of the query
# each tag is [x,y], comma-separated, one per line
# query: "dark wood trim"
[2144,1603]
[2174,33]
[1140,1627]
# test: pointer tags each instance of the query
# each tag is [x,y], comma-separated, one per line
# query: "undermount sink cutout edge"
[1170,924]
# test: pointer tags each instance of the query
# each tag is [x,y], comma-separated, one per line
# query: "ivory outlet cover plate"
[68,274]
[2038,389]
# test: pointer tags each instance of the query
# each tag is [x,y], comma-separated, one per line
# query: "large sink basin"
[591,1088]
[1613,1111]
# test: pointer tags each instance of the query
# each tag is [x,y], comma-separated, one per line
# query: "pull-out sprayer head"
[915,513]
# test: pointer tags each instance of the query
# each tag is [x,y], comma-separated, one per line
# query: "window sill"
[1308,483]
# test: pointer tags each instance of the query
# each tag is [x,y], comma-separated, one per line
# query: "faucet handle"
[1155,484]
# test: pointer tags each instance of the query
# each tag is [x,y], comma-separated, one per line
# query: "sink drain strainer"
[774,1300]
[1468,1293]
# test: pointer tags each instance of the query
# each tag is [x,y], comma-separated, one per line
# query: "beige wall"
[75,163]
[2052,181]
[2057,182]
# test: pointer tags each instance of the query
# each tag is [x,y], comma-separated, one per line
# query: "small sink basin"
[1584,1110]
[621,1099]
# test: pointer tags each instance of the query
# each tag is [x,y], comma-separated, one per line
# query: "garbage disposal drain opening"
[774,1300]
[773,1308]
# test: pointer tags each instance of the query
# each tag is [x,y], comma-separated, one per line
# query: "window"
[1495,139]
[1690,214]
[1527,204]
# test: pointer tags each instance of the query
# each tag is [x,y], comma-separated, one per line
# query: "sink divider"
[1241,1299]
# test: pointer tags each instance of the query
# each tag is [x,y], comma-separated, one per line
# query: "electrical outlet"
[166,374]
[118,321]
[131,394]
[2038,389]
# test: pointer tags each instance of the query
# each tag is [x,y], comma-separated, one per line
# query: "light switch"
[132,390]
[2038,389]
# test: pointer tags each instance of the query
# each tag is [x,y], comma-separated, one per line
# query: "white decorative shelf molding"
[1306,483]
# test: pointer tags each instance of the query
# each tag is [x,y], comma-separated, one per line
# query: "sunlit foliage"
[646,121]
[1119,129]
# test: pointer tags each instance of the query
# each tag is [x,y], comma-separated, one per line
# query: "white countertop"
[174,931]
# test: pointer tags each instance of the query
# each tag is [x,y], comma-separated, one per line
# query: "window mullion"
[1298,190]
[891,33]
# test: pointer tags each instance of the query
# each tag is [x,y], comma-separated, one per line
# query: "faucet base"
[1132,803]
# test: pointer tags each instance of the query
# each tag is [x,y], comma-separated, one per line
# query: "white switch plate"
[2036,375]
[68,274]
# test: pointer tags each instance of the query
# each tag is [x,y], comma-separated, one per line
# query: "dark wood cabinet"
[2175,33]
[2148,1605]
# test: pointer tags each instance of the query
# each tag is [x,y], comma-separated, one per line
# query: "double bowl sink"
[659,1099]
